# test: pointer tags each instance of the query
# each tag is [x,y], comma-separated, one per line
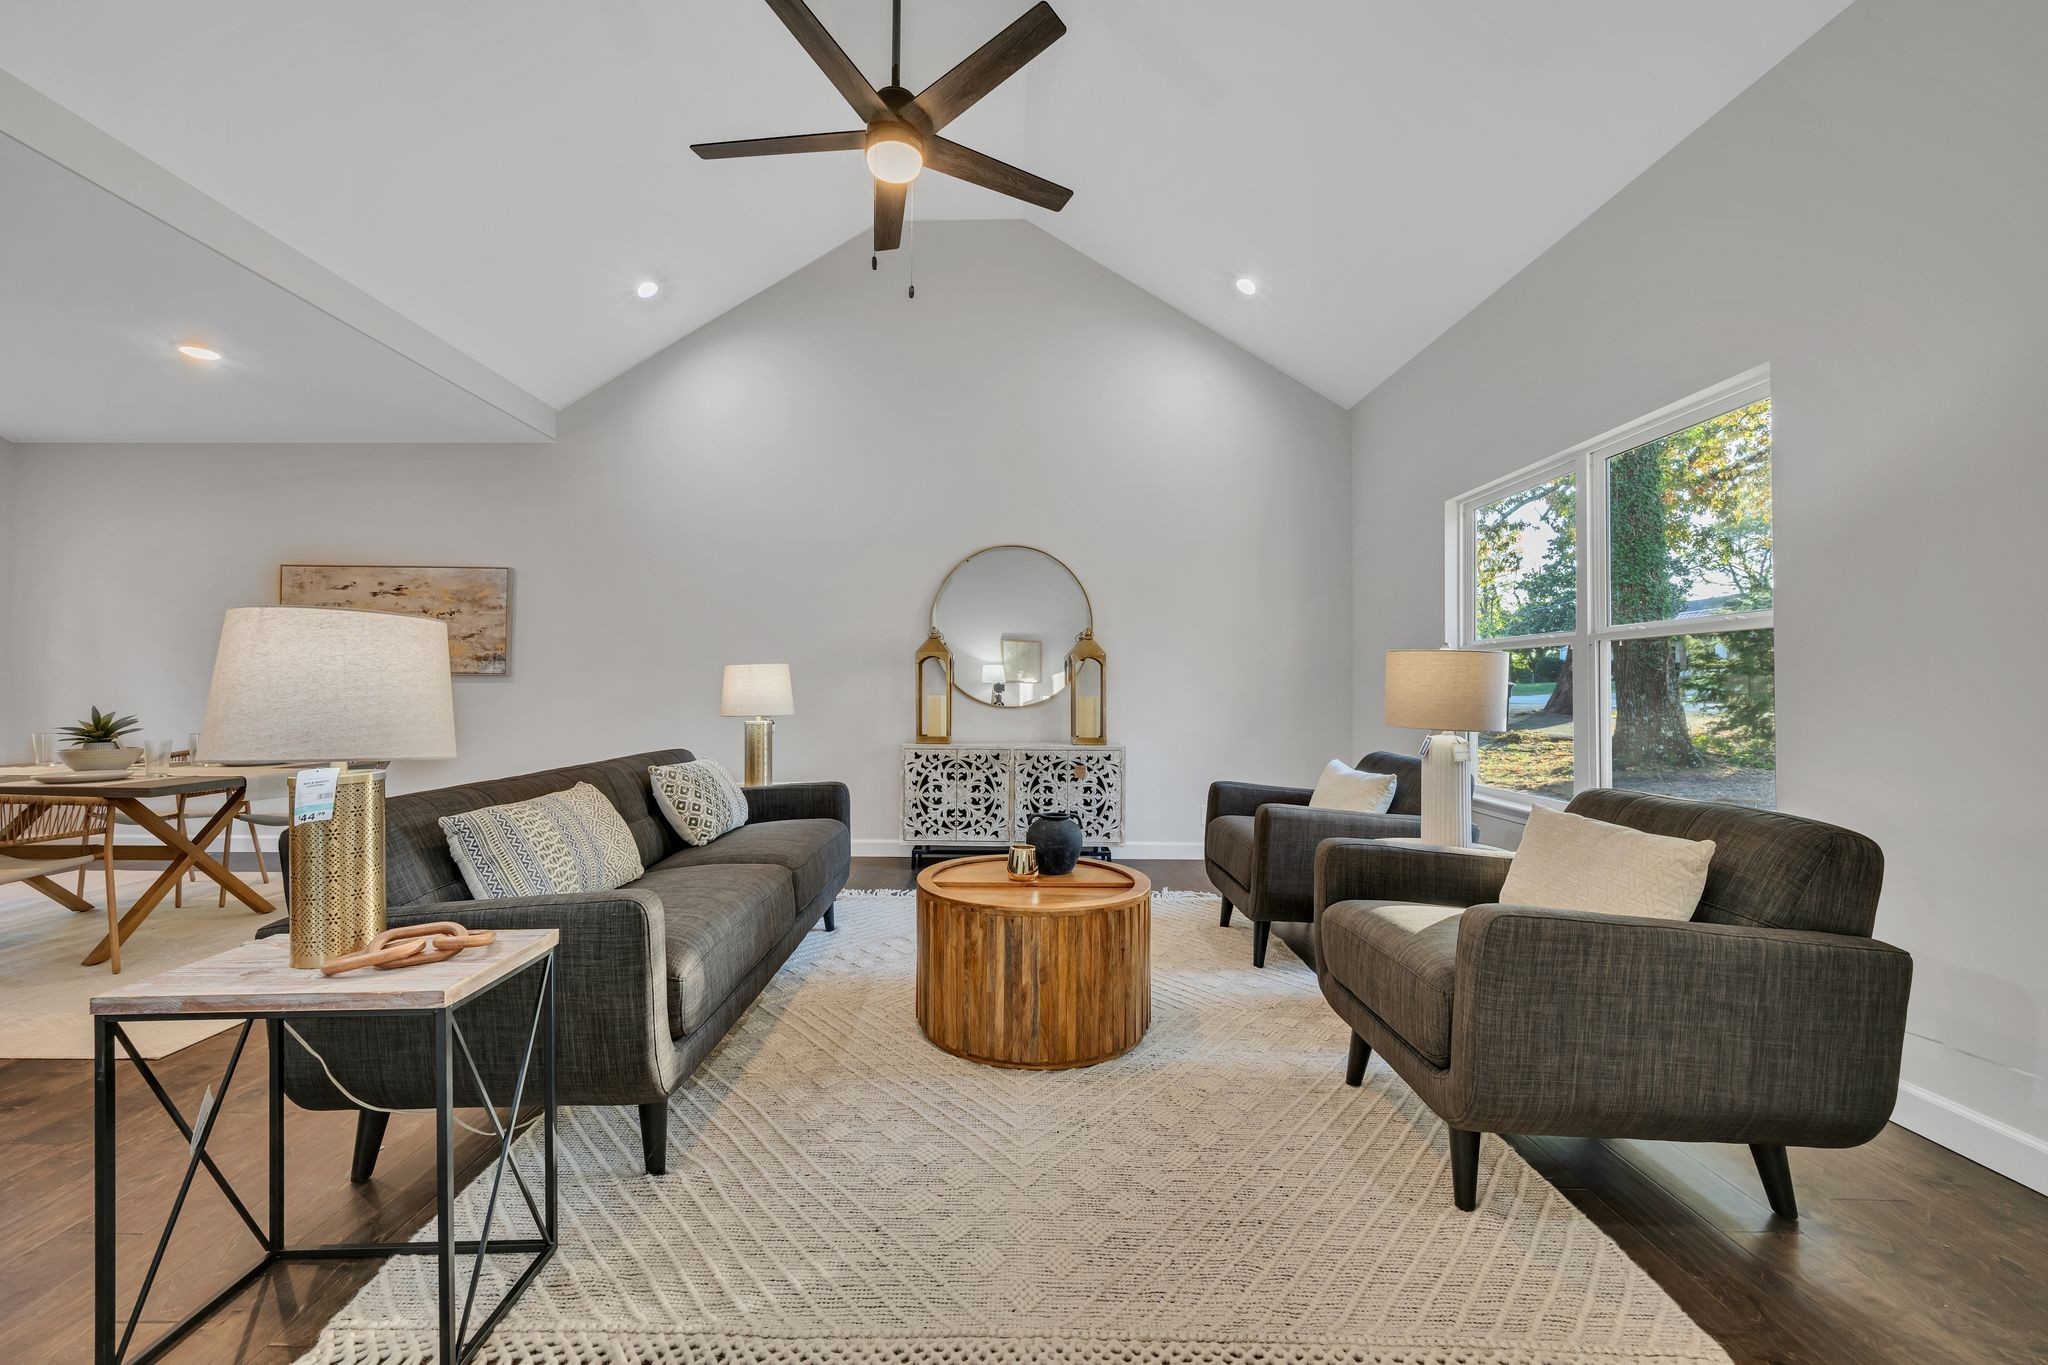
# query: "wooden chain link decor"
[415,945]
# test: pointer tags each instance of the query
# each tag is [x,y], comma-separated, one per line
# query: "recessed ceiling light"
[647,289]
[1246,285]
[198,353]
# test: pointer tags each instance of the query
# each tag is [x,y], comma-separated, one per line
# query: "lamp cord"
[360,1103]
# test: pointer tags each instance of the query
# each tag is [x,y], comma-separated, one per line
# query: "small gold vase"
[336,887]
[1023,863]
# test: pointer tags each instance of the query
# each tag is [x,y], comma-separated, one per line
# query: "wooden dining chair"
[41,835]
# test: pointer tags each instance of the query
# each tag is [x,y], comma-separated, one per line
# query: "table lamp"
[758,692]
[993,675]
[1450,692]
[314,685]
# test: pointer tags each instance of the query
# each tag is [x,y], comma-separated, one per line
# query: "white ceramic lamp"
[310,684]
[758,692]
[1450,692]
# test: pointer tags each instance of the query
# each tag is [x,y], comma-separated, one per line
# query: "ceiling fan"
[902,133]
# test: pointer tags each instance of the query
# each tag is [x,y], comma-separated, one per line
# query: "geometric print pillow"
[552,845]
[699,798]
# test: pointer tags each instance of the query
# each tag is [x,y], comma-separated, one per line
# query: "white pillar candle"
[1088,717]
[934,715]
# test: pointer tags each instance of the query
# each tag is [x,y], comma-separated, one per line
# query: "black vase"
[1057,837]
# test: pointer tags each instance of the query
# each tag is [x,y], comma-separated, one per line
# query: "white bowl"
[83,758]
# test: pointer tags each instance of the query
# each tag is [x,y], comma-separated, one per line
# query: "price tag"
[313,795]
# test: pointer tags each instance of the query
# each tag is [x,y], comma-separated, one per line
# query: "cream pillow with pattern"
[699,798]
[553,845]
[1567,862]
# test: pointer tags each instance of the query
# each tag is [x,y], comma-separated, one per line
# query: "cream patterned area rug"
[841,1192]
[44,990]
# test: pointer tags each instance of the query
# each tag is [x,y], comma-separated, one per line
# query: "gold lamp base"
[760,752]
[337,872]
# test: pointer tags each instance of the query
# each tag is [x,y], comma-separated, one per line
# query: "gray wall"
[791,483]
[1869,220]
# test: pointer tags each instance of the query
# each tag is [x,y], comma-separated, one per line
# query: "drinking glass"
[156,757]
[192,747]
[42,746]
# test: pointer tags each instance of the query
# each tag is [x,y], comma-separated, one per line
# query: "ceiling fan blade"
[779,146]
[830,57]
[889,214]
[994,62]
[964,163]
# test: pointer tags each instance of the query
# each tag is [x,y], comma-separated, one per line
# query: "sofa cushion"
[560,843]
[814,852]
[1570,862]
[700,799]
[719,922]
[1401,961]
[1229,846]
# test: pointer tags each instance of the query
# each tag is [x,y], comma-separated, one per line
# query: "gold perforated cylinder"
[337,871]
[760,752]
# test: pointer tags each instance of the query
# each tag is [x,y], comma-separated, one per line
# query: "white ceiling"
[502,172]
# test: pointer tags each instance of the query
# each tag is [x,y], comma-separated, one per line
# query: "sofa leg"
[1261,931]
[370,1126]
[654,1137]
[1777,1176]
[830,923]
[1354,1065]
[1465,1169]
[1225,921]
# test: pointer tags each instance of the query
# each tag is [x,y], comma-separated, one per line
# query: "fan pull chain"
[910,237]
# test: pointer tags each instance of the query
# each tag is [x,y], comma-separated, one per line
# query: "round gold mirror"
[1010,614]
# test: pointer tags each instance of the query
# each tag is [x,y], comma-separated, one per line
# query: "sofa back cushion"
[1407,771]
[1603,867]
[418,868]
[1769,869]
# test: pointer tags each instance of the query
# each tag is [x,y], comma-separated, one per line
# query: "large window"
[1629,580]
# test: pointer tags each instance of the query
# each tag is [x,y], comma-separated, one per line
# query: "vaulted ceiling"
[501,173]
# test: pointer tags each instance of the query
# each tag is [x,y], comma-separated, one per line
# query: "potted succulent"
[96,743]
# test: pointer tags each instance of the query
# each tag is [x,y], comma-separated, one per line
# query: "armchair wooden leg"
[831,924]
[654,1137]
[1261,931]
[1225,921]
[1354,1065]
[1465,1169]
[1777,1176]
[370,1126]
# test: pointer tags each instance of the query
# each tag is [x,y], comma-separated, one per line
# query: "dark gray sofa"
[1259,842]
[651,975]
[1771,1018]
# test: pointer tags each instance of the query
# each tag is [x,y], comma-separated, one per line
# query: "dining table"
[128,792]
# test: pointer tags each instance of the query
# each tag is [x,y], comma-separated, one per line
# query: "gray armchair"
[1259,842]
[1772,1018]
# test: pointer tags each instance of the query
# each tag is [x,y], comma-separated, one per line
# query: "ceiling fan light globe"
[895,160]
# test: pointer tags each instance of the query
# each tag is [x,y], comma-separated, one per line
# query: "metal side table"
[256,981]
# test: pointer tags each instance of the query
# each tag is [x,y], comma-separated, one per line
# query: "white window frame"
[1592,639]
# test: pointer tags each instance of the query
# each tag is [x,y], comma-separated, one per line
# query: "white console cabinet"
[985,795]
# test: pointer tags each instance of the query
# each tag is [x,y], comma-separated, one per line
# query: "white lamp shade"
[756,690]
[1447,689]
[993,673]
[305,683]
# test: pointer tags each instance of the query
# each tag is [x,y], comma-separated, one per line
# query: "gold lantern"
[1087,698]
[934,690]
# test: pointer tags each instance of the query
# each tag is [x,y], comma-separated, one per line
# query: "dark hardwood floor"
[1904,1253]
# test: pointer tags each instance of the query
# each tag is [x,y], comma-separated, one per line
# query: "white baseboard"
[1167,849]
[1983,1139]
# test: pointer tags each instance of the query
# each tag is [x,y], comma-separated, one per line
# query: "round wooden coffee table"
[1046,975]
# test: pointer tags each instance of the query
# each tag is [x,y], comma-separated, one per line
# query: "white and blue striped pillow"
[563,842]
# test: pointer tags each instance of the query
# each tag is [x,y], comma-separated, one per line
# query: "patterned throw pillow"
[700,799]
[555,844]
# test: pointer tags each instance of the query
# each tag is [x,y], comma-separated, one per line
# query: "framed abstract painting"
[475,603]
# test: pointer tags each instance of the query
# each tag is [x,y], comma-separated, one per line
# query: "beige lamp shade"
[1451,690]
[756,690]
[305,683]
